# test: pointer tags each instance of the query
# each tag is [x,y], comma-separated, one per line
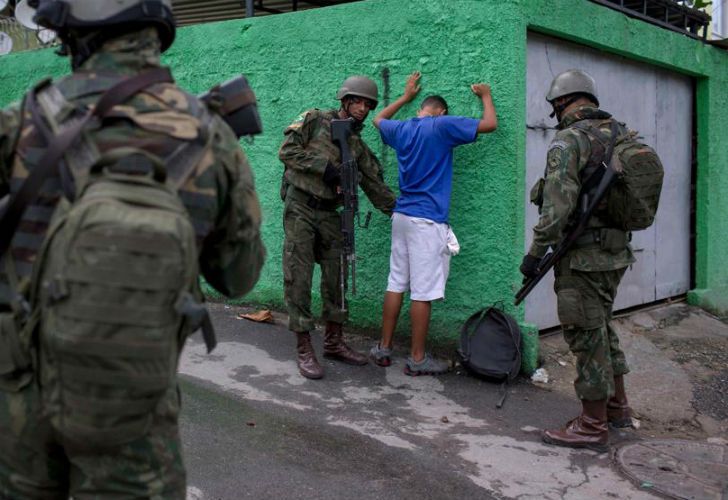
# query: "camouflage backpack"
[115,293]
[118,272]
[632,201]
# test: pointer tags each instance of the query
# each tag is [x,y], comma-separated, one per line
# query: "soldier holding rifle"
[311,190]
[594,255]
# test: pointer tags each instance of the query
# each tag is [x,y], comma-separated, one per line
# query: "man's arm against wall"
[233,253]
[293,152]
[489,121]
[372,182]
[411,89]
[560,193]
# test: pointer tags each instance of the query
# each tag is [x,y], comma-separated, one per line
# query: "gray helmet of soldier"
[359,86]
[69,15]
[573,81]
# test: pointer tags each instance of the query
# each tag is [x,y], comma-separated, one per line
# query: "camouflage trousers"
[312,236]
[585,301]
[35,465]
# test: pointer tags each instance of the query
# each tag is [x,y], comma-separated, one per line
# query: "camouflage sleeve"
[9,131]
[372,182]
[294,152]
[560,193]
[233,253]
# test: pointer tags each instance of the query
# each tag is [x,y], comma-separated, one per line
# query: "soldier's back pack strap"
[593,190]
[59,144]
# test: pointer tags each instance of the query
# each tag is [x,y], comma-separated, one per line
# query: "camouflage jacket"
[569,153]
[308,148]
[220,195]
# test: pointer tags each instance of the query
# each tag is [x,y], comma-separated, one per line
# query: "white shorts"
[420,258]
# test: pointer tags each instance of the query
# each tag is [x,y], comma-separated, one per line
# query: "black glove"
[332,176]
[529,266]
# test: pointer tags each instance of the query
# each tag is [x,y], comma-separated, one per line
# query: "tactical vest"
[321,144]
[105,261]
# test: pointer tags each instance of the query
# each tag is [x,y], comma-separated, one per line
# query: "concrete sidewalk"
[253,427]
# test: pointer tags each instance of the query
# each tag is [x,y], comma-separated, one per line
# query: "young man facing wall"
[420,259]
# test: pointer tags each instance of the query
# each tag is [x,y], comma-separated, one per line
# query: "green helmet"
[359,86]
[62,15]
[572,82]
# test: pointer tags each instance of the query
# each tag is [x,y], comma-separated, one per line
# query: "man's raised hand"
[412,88]
[480,89]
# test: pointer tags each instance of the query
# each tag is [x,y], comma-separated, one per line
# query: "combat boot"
[619,414]
[308,365]
[588,430]
[335,348]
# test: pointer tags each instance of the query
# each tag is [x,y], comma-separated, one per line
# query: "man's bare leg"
[390,314]
[420,316]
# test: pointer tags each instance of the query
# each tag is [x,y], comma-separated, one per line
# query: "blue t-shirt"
[424,152]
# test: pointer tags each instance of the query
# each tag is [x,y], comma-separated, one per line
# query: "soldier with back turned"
[83,414]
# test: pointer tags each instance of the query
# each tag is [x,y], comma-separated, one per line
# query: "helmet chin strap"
[560,108]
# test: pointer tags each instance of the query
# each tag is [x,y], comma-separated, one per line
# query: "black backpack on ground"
[490,346]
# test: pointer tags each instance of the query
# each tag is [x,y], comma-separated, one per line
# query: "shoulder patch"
[559,144]
[301,118]
[298,122]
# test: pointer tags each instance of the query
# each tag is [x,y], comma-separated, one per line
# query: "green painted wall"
[296,61]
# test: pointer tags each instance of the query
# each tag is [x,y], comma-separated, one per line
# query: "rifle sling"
[595,194]
[59,144]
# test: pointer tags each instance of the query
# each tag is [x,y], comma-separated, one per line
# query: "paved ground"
[252,427]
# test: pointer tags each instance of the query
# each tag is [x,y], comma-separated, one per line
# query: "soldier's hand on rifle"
[529,266]
[412,88]
[332,176]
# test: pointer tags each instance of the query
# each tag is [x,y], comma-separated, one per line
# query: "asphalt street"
[253,428]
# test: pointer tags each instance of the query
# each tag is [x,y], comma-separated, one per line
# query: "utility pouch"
[235,101]
[537,193]
[613,240]
[15,361]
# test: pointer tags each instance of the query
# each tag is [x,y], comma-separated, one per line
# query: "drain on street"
[678,468]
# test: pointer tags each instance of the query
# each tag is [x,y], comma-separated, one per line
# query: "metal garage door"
[657,103]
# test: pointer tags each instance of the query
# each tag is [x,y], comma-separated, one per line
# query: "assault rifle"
[593,190]
[340,133]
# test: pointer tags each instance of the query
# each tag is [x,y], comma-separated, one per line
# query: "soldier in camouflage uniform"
[108,42]
[588,276]
[311,222]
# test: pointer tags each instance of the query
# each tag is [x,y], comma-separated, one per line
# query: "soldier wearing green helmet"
[589,274]
[310,190]
[49,400]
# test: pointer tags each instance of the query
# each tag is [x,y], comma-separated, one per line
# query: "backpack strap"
[465,331]
[60,143]
[592,174]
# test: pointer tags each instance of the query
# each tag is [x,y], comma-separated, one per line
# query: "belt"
[310,200]
[593,236]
